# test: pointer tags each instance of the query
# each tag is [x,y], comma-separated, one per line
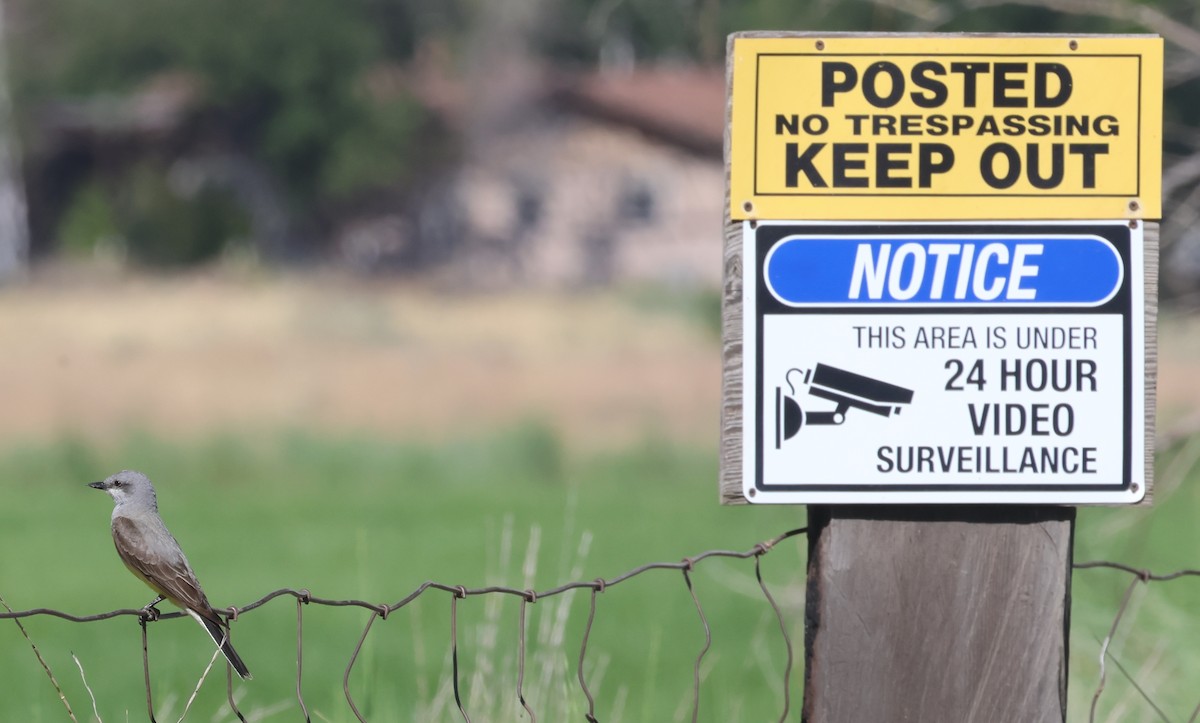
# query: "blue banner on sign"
[1042,270]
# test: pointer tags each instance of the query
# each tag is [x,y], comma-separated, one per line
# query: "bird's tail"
[220,635]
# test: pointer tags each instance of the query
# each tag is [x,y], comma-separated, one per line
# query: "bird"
[151,553]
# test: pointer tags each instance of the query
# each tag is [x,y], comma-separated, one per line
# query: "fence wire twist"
[527,597]
[1139,577]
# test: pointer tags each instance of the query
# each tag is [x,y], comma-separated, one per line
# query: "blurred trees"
[291,130]
[284,78]
[283,84]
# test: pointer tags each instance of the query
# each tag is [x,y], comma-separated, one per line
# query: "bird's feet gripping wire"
[151,613]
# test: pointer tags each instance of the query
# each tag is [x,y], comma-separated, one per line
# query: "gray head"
[129,487]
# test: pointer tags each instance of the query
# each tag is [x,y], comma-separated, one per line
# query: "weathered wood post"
[939,319]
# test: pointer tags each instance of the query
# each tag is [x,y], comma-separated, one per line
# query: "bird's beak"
[96,485]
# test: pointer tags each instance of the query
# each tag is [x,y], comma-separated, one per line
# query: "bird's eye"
[117,483]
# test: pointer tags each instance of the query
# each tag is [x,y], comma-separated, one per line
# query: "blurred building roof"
[679,105]
[682,105]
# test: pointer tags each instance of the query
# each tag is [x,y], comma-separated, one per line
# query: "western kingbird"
[151,553]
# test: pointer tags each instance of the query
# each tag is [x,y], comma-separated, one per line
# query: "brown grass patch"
[189,355]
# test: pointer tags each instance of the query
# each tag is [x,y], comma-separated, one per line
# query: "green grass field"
[359,518]
[371,520]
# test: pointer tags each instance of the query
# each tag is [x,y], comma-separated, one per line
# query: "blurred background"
[548,143]
[383,291]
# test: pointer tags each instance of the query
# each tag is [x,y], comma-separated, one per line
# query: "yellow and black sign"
[946,127]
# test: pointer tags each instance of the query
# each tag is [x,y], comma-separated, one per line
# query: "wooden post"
[931,614]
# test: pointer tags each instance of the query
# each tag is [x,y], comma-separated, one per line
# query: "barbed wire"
[596,587]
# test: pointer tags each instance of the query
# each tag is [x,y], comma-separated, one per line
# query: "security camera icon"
[846,389]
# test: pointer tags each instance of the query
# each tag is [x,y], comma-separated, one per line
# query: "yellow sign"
[946,127]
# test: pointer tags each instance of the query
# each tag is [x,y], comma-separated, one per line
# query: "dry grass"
[97,356]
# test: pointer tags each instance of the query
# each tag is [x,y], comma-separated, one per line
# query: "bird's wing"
[159,562]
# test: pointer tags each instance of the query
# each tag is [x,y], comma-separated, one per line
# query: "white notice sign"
[946,363]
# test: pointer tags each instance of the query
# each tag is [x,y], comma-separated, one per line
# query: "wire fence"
[596,587]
